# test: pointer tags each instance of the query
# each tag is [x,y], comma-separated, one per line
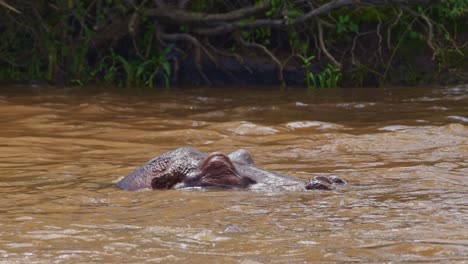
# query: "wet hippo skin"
[187,167]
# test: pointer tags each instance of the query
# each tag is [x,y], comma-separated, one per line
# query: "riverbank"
[318,44]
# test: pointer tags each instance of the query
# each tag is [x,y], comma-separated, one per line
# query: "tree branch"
[430,30]
[183,4]
[226,26]
[3,3]
[267,52]
[181,17]
[192,40]
[159,3]
[323,48]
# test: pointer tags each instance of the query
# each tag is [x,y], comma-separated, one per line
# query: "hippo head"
[215,170]
[189,168]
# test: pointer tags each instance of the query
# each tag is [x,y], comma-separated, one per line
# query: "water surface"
[403,150]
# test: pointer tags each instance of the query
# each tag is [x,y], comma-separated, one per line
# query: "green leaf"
[294,13]
[343,19]
[353,27]
[167,68]
[340,28]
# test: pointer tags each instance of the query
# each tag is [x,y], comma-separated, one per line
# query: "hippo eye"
[160,183]
[166,181]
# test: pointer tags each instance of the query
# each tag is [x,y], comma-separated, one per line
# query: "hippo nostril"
[318,185]
[325,183]
[337,180]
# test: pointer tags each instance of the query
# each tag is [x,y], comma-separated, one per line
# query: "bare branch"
[134,23]
[400,41]
[183,4]
[159,3]
[324,9]
[229,27]
[323,48]
[379,35]
[196,44]
[340,3]
[181,17]
[392,25]
[267,52]
[3,3]
[226,26]
[430,30]
[226,54]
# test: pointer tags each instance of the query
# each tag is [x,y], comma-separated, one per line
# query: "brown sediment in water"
[402,151]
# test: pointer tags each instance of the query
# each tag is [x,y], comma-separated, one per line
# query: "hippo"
[189,168]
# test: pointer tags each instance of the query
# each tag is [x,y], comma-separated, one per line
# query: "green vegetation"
[330,77]
[143,43]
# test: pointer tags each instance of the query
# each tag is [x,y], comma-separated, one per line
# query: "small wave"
[247,128]
[460,118]
[313,124]
[355,105]
[403,128]
[394,128]
[457,90]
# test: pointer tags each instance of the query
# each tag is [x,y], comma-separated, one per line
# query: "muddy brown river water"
[403,151]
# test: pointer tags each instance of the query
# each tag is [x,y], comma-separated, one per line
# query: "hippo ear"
[218,170]
[242,156]
[166,181]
